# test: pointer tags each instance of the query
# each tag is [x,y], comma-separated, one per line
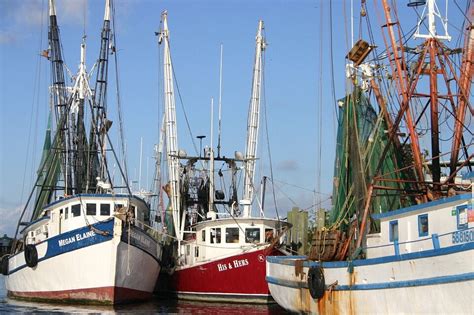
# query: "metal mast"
[59,96]
[465,81]
[100,124]
[253,124]
[433,63]
[171,131]
[81,92]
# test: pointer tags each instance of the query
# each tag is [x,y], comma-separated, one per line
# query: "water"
[154,306]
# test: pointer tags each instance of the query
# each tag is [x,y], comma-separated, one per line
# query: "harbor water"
[154,306]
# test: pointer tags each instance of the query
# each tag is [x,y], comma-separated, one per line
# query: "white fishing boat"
[401,234]
[219,247]
[85,241]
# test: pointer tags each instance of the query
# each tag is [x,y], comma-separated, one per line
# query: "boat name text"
[140,239]
[76,238]
[234,264]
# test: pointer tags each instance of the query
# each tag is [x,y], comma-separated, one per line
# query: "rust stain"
[299,268]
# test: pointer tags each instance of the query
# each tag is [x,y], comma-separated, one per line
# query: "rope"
[128,249]
[119,105]
[268,138]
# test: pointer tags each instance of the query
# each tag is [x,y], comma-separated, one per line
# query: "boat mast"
[211,214]
[253,124]
[171,132]
[100,124]
[400,70]
[433,62]
[465,81]
[59,96]
[220,106]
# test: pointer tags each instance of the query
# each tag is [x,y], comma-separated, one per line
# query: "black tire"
[4,265]
[316,284]
[31,256]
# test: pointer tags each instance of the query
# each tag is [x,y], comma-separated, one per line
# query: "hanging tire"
[31,256]
[316,284]
[4,265]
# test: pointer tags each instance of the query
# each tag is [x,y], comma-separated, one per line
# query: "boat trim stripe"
[289,260]
[377,286]
[422,206]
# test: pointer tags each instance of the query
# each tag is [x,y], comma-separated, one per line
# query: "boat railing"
[458,237]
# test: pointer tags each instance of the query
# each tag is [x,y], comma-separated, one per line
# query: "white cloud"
[29,12]
[72,12]
[21,18]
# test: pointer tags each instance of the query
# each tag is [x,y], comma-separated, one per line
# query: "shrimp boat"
[401,234]
[218,248]
[84,242]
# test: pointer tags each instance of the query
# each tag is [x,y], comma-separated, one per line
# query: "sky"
[299,93]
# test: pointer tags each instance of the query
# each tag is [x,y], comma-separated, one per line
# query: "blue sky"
[297,84]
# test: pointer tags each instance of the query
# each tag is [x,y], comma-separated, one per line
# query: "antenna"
[220,107]
[211,165]
[140,165]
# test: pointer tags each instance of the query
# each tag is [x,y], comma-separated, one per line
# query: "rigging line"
[182,106]
[84,18]
[267,133]
[284,194]
[331,51]
[36,87]
[124,172]
[315,204]
[463,12]
[300,187]
[319,110]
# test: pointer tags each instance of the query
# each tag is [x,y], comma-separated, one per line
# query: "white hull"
[108,270]
[413,266]
[437,282]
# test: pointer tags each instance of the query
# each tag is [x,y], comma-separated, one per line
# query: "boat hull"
[437,281]
[104,268]
[236,278]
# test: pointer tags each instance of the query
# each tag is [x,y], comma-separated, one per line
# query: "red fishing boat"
[217,247]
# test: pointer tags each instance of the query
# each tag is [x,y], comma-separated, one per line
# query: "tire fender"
[316,283]
[31,255]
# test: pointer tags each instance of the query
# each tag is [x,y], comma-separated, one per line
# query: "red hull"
[103,295]
[239,277]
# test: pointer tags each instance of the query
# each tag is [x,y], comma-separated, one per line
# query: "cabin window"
[188,250]
[91,209]
[61,213]
[203,235]
[215,235]
[268,235]
[423,225]
[252,235]
[462,218]
[66,213]
[393,233]
[196,251]
[118,206]
[76,210]
[104,209]
[232,235]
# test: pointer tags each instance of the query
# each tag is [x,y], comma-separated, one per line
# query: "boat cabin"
[433,225]
[67,214]
[217,238]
